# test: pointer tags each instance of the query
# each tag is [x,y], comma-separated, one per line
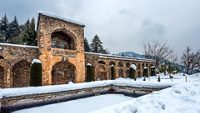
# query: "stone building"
[61,51]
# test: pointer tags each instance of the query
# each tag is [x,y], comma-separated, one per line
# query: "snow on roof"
[59,17]
[119,57]
[17,45]
[36,61]
[133,66]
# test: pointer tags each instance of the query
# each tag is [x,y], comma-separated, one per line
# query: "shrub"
[159,79]
[145,72]
[132,74]
[112,73]
[153,72]
[36,74]
[89,74]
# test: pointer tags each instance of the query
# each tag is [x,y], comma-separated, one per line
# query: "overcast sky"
[122,25]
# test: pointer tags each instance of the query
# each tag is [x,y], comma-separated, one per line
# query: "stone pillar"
[45,59]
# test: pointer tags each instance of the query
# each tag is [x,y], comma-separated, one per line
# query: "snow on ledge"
[11,92]
[17,45]
[59,17]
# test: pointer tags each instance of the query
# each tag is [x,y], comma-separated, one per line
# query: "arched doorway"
[1,76]
[121,73]
[60,39]
[21,74]
[63,72]
[101,71]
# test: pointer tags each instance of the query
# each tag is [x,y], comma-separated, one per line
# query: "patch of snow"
[17,45]
[36,61]
[59,17]
[182,98]
[85,105]
[89,64]
[145,67]
[133,66]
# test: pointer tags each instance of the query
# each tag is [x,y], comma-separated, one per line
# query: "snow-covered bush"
[132,74]
[36,73]
[89,74]
[153,71]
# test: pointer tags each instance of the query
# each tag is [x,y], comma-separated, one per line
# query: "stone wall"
[48,25]
[62,61]
[15,64]
[102,64]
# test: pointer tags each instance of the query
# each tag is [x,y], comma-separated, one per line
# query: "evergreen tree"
[96,45]
[29,34]
[153,71]
[36,74]
[145,72]
[25,33]
[32,33]
[13,30]
[4,29]
[86,45]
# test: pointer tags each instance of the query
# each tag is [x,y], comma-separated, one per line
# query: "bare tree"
[158,51]
[190,60]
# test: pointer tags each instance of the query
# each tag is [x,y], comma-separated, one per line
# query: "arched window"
[112,63]
[127,65]
[120,64]
[1,57]
[61,40]
[121,73]
[101,62]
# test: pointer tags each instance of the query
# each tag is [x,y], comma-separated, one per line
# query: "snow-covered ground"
[182,97]
[80,105]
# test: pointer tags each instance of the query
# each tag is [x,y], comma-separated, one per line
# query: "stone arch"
[61,39]
[1,57]
[143,65]
[21,73]
[101,62]
[127,73]
[63,72]
[139,66]
[127,64]
[1,77]
[120,64]
[101,71]
[139,74]
[121,73]
[112,63]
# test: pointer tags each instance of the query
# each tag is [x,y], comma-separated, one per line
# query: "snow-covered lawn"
[182,97]
[80,105]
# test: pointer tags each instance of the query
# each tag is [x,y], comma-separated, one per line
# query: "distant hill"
[131,54]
